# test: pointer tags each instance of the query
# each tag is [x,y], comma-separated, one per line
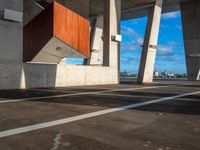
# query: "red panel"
[72,29]
[59,21]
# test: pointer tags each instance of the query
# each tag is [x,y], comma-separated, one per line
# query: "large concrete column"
[191,28]
[97,43]
[112,17]
[147,61]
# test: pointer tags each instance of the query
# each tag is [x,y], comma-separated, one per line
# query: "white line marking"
[77,94]
[86,116]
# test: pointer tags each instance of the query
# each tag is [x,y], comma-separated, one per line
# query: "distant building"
[156,74]
[170,75]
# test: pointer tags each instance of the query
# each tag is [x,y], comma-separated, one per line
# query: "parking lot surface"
[164,115]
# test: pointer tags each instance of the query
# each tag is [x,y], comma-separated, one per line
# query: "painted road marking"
[86,116]
[78,94]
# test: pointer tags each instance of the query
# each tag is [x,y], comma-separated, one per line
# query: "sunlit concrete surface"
[173,123]
[149,48]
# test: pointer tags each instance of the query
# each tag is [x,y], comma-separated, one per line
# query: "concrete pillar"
[112,17]
[148,56]
[191,29]
[96,42]
[86,61]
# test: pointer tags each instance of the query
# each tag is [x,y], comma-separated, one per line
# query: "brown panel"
[80,7]
[37,33]
[75,29]
[59,25]
[72,29]
[83,34]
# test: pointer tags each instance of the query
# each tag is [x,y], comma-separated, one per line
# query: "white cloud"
[171,15]
[129,60]
[179,27]
[135,39]
[164,26]
[165,51]
[129,47]
[126,31]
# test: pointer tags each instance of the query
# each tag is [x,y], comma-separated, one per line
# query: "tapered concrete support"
[147,61]
[191,28]
[97,42]
[112,17]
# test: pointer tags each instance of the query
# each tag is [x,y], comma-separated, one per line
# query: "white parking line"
[77,94]
[86,116]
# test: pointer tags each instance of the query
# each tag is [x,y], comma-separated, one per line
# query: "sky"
[170,54]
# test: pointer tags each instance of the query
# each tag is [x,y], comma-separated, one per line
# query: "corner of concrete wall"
[18,75]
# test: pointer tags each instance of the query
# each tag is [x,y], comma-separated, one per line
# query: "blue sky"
[170,54]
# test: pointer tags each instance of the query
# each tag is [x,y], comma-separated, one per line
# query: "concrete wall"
[52,75]
[191,28]
[11,34]
[17,75]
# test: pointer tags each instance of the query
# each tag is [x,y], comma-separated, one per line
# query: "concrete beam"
[191,29]
[31,10]
[142,11]
[54,51]
[112,17]
[148,57]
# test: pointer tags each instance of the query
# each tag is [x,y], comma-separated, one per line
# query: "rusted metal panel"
[72,29]
[61,22]
[80,7]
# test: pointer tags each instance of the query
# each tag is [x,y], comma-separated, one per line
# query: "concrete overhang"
[135,8]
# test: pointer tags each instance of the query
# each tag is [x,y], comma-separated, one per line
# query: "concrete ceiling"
[134,8]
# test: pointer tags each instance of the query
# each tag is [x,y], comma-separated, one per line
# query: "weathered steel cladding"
[58,21]
[72,29]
